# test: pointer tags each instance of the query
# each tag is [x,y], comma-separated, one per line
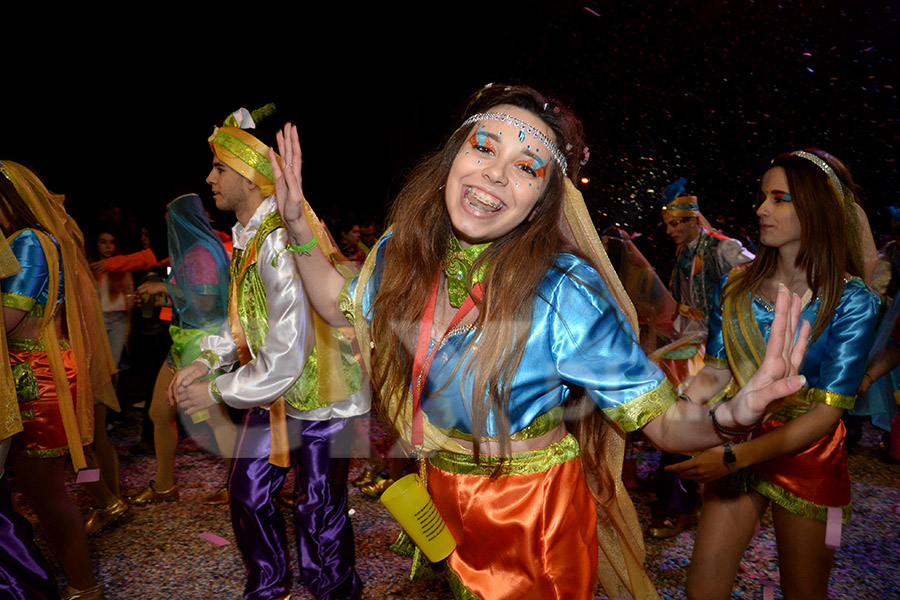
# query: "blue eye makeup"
[777,196]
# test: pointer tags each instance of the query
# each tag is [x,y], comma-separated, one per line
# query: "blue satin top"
[836,360]
[576,339]
[28,290]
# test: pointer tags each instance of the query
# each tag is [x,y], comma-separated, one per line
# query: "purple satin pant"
[24,574]
[326,554]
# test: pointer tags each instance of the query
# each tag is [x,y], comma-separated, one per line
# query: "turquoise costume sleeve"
[590,342]
[843,354]
[30,286]
[715,343]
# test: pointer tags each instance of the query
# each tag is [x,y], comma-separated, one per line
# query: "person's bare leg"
[105,453]
[225,432]
[165,431]
[102,494]
[727,523]
[42,481]
[803,558]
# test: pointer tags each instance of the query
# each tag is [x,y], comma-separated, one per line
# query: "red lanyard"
[423,360]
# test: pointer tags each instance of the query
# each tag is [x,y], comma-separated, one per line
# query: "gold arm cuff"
[639,411]
[830,398]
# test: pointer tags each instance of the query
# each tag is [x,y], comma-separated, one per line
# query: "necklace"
[456,266]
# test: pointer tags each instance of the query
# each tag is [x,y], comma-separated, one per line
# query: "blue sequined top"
[576,339]
[836,360]
[28,290]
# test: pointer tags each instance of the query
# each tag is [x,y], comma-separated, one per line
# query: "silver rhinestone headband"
[526,128]
[4,172]
[817,160]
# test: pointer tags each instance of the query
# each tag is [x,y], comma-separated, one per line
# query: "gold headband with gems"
[526,129]
[819,162]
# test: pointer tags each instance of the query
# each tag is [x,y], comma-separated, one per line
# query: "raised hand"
[777,376]
[288,180]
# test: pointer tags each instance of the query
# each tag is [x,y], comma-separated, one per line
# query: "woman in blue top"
[489,281]
[809,234]
[46,311]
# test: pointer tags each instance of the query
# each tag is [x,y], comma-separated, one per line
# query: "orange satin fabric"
[818,474]
[679,369]
[45,432]
[521,537]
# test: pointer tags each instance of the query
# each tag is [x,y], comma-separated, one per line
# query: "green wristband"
[304,247]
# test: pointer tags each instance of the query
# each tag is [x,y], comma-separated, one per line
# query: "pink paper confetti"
[211,537]
[833,527]
[88,476]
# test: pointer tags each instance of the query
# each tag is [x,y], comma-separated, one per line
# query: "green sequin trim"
[716,363]
[32,345]
[639,411]
[26,414]
[209,357]
[214,392]
[520,463]
[24,303]
[793,503]
[45,453]
[831,398]
[345,302]
[459,591]
[456,267]
[26,383]
[244,152]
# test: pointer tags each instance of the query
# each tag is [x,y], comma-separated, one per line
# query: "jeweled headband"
[4,172]
[819,162]
[525,129]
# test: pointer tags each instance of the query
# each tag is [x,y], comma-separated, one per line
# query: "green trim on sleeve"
[639,411]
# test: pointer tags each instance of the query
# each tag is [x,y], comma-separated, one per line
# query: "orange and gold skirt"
[809,481]
[43,434]
[528,533]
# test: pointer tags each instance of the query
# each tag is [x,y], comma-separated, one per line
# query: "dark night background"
[705,90]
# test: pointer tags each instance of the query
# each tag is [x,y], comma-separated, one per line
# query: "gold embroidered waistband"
[33,345]
[519,463]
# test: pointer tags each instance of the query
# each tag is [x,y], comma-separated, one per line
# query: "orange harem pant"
[528,534]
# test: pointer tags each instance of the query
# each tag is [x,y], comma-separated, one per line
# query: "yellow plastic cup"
[411,504]
[200,416]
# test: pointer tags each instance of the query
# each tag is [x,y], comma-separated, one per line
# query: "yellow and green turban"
[678,203]
[237,147]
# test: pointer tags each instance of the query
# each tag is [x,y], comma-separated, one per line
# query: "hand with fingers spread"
[777,376]
[288,179]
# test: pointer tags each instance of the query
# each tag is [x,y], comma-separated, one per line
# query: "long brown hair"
[829,233]
[518,262]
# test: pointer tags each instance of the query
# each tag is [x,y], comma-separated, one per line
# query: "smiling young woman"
[503,350]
